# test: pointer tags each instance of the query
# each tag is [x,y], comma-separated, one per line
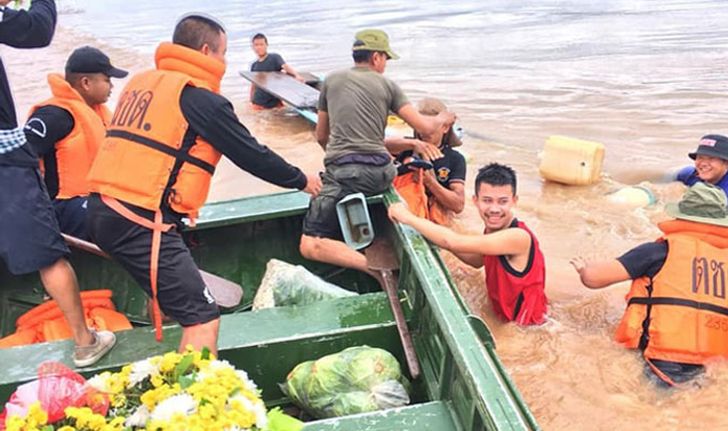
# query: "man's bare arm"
[322,128]
[599,274]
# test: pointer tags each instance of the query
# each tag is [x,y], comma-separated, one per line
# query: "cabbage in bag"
[286,284]
[356,380]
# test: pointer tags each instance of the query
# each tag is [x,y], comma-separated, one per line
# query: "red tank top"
[518,296]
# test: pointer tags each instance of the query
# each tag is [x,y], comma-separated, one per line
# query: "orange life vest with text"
[143,149]
[681,314]
[76,152]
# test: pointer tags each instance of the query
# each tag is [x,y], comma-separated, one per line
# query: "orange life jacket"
[414,193]
[681,315]
[46,322]
[144,142]
[76,152]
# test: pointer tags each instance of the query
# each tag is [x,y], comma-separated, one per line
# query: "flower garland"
[189,391]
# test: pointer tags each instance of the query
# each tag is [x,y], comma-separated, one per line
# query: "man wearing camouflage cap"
[677,311]
[352,114]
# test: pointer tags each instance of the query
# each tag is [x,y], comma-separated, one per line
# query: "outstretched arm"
[425,124]
[291,71]
[505,242]
[599,274]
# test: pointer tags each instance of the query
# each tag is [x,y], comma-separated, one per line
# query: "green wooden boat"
[463,385]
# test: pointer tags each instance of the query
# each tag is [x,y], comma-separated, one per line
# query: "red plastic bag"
[57,387]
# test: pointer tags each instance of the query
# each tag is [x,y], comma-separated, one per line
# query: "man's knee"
[309,246]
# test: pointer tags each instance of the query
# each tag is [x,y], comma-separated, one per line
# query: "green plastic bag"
[285,284]
[356,380]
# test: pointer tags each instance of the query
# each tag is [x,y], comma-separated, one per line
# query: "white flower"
[139,418]
[261,416]
[140,370]
[100,382]
[247,383]
[183,404]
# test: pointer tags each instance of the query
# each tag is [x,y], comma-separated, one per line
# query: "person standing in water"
[267,62]
[515,269]
[677,312]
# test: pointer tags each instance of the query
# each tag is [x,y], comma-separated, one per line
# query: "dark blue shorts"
[71,215]
[29,236]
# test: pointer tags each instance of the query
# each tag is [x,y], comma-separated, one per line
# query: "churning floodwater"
[646,78]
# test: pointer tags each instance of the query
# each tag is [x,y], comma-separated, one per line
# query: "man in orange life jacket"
[169,130]
[29,237]
[66,131]
[436,191]
[515,272]
[677,312]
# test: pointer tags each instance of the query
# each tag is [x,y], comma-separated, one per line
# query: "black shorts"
[339,181]
[181,292]
[29,235]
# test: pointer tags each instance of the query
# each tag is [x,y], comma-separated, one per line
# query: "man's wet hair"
[195,31]
[74,78]
[362,55]
[259,36]
[496,174]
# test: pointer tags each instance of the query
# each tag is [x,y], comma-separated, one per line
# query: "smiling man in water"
[515,271]
[711,163]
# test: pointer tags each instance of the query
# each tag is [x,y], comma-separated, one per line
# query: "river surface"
[646,78]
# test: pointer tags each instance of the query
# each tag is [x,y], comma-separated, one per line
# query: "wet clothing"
[518,296]
[21,29]
[182,293]
[339,181]
[647,260]
[29,236]
[689,176]
[271,63]
[358,102]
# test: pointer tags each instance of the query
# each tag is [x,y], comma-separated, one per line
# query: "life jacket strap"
[157,227]
[166,149]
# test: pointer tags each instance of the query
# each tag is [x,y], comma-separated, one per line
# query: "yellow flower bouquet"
[189,391]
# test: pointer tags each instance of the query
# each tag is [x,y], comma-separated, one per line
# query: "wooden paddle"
[381,258]
[226,293]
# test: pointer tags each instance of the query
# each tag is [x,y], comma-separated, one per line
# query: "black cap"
[712,146]
[88,59]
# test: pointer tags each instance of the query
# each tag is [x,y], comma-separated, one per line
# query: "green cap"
[702,203]
[374,40]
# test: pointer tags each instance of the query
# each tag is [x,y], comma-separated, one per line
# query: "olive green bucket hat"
[373,40]
[702,203]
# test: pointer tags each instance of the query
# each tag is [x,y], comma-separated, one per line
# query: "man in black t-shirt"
[676,307]
[267,62]
[441,189]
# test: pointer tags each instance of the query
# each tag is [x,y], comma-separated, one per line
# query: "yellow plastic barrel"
[571,161]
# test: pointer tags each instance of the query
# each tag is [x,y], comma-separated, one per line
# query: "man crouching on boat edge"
[676,308]
[515,271]
[353,108]
[169,131]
